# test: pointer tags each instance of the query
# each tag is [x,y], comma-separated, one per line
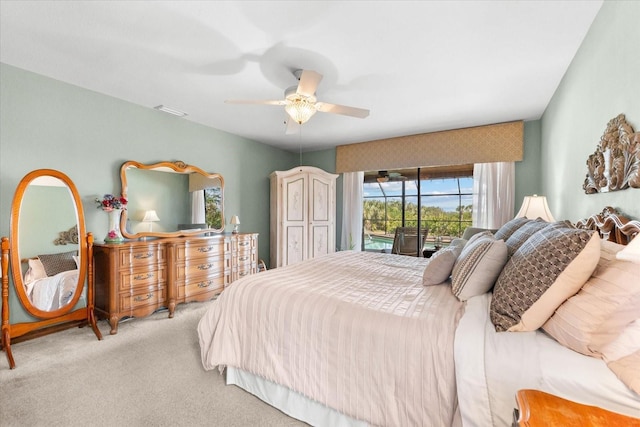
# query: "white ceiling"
[419,66]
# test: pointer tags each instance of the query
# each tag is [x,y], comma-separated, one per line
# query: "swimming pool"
[378,243]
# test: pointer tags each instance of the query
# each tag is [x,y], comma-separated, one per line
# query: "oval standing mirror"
[169,199]
[50,254]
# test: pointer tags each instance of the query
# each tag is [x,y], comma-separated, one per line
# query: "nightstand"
[539,409]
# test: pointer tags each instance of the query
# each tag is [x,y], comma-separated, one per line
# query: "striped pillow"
[478,267]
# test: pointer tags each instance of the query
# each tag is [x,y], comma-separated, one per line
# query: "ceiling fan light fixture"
[300,110]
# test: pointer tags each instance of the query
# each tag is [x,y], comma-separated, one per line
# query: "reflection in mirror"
[50,255]
[49,271]
[170,199]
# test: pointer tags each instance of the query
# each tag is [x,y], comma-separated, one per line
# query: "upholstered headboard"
[611,225]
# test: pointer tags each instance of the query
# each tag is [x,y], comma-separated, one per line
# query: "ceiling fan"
[384,176]
[301,103]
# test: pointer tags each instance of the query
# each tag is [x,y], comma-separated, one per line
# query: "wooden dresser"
[136,278]
[539,409]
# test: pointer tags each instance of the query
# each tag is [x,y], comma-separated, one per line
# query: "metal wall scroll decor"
[69,236]
[615,165]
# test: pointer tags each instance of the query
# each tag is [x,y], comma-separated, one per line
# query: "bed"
[51,279]
[357,338]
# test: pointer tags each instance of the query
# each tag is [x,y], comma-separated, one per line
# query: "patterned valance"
[483,144]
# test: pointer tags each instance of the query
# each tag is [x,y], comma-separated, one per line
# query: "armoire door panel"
[296,244]
[320,241]
[295,200]
[321,206]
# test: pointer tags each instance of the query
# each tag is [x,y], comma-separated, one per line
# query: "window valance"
[483,144]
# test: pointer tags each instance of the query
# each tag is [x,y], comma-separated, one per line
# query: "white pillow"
[440,264]
[35,271]
[631,252]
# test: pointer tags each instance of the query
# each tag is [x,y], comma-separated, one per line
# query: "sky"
[433,188]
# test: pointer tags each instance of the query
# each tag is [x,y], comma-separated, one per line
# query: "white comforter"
[354,331]
[492,366]
[51,293]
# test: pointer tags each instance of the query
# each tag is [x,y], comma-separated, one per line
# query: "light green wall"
[528,180]
[45,123]
[602,82]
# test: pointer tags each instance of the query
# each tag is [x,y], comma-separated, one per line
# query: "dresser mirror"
[50,256]
[170,199]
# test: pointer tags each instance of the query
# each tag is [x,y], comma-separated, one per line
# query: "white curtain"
[197,207]
[352,200]
[493,194]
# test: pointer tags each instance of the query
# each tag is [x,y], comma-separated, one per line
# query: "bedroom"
[73,130]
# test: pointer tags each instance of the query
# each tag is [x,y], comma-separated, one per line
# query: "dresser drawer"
[245,243]
[201,249]
[142,278]
[203,267]
[143,256]
[245,258]
[143,298]
[208,285]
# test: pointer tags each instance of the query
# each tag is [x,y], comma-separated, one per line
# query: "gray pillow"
[510,227]
[57,263]
[440,264]
[478,267]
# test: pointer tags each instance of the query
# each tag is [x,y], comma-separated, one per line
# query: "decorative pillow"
[521,235]
[440,264]
[529,229]
[458,241]
[601,310]
[478,266]
[479,235]
[36,271]
[510,227]
[57,263]
[547,269]
[631,252]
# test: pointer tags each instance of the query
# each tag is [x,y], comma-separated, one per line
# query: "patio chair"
[405,241]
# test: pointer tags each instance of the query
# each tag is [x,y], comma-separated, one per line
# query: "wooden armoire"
[303,214]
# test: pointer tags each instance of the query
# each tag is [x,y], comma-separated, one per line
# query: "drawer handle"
[143,276]
[207,249]
[139,299]
[143,256]
[244,243]
[205,284]
[243,273]
[244,258]
[205,266]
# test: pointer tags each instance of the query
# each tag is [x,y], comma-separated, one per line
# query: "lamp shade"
[535,207]
[150,216]
[235,220]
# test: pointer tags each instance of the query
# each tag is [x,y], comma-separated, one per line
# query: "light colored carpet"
[149,374]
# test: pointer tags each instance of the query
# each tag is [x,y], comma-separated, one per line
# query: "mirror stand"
[80,317]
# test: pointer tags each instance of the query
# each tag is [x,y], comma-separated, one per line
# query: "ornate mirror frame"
[48,321]
[171,167]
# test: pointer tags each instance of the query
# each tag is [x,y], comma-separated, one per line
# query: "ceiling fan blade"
[309,81]
[292,127]
[262,102]
[360,113]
